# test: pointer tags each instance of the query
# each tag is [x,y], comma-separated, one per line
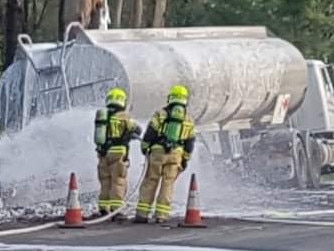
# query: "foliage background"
[308,24]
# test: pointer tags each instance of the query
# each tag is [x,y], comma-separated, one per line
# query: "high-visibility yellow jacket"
[153,135]
[119,131]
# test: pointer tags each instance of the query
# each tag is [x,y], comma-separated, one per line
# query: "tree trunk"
[86,7]
[25,25]
[12,30]
[138,13]
[148,15]
[127,14]
[61,20]
[117,14]
[2,26]
[2,7]
[159,13]
[39,18]
[95,14]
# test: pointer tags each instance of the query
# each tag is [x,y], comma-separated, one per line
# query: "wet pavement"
[222,233]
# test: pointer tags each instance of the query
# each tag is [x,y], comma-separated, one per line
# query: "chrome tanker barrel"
[234,73]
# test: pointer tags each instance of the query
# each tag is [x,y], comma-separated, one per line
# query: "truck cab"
[316,113]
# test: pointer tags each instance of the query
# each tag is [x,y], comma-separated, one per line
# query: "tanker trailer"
[245,84]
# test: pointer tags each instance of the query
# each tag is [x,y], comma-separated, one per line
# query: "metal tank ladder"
[54,68]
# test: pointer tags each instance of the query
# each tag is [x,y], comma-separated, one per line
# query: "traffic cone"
[193,217]
[73,215]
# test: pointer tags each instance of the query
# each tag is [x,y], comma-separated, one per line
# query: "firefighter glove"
[144,151]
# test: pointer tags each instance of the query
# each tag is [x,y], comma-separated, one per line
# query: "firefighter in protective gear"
[168,143]
[114,129]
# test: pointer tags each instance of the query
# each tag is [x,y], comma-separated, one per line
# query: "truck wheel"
[315,176]
[314,169]
[300,165]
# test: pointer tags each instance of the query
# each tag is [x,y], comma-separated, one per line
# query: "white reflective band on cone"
[73,200]
[193,200]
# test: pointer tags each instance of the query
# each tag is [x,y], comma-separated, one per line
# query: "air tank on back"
[233,72]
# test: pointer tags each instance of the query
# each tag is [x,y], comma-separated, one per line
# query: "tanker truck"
[289,143]
[255,98]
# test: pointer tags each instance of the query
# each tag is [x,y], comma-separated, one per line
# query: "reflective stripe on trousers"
[115,204]
[163,209]
[104,205]
[143,209]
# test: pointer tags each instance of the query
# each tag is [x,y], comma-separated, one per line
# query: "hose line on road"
[130,197]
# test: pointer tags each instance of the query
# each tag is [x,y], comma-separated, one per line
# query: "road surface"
[222,233]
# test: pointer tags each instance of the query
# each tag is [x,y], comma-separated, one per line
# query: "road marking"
[271,213]
[287,221]
[174,238]
[112,248]
[285,214]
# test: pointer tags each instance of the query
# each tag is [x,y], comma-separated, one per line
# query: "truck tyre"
[315,176]
[301,164]
[314,169]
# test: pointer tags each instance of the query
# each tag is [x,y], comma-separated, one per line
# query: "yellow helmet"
[116,96]
[178,94]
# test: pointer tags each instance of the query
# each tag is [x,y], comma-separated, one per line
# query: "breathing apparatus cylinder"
[173,128]
[101,122]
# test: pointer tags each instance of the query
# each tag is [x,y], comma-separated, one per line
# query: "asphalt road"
[220,233]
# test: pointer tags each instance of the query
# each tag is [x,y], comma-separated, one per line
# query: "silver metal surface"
[233,73]
[229,78]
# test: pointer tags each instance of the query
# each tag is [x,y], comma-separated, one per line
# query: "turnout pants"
[162,168]
[112,175]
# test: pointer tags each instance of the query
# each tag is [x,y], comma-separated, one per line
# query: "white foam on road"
[39,160]
[112,248]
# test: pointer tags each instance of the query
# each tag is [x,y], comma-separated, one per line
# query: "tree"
[38,17]
[93,15]
[117,17]
[159,13]
[33,15]
[25,25]
[87,12]
[308,24]
[13,28]
[188,13]
[138,9]
[2,25]
[61,20]
[148,13]
[319,30]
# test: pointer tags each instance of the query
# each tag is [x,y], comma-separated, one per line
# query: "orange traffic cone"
[193,217]
[73,215]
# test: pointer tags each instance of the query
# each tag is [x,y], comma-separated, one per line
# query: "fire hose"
[107,217]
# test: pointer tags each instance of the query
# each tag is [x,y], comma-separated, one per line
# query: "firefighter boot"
[161,221]
[140,220]
[119,217]
[103,212]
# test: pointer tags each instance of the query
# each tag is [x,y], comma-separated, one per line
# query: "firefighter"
[168,143]
[114,129]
